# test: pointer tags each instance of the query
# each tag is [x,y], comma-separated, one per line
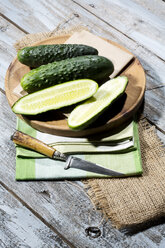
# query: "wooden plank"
[20,228]
[156,7]
[155,107]
[9,34]
[161,136]
[34,17]
[73,14]
[63,205]
[133,20]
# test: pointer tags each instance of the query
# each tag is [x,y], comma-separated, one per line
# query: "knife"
[27,141]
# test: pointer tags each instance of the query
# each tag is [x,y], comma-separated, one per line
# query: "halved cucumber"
[55,97]
[87,112]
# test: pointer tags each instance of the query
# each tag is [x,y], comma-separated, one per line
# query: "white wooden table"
[56,214]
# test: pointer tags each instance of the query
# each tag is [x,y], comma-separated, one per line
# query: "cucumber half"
[55,97]
[87,112]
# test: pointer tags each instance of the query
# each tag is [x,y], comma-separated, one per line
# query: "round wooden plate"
[55,122]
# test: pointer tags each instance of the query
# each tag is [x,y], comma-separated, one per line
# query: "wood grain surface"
[55,122]
[62,210]
[18,231]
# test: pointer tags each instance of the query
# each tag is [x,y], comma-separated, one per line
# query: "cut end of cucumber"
[89,111]
[55,97]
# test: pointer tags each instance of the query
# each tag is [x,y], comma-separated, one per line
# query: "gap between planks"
[3,91]
[158,128]
[37,215]
[13,23]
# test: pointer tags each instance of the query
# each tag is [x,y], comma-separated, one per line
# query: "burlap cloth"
[126,201]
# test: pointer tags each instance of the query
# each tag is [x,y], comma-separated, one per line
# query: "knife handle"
[27,141]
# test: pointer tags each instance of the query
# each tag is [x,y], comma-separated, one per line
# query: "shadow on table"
[134,229]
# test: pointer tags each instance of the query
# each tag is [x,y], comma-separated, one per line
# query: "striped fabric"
[119,152]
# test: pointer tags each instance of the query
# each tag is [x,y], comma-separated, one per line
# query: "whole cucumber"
[83,67]
[36,56]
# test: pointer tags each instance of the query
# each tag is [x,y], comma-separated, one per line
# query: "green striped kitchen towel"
[119,152]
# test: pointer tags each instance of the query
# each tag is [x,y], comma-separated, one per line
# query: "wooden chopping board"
[55,122]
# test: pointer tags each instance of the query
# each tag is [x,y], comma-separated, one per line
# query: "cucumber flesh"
[55,97]
[89,111]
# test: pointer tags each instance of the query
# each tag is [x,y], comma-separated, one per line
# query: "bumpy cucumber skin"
[41,55]
[91,66]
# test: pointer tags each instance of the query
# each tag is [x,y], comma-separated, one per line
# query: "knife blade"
[27,141]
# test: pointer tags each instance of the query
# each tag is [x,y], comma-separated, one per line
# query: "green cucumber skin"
[91,67]
[41,55]
[94,118]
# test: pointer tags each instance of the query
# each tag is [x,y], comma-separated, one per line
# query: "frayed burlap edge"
[96,193]
[31,39]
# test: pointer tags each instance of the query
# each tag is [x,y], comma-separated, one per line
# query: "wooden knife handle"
[27,141]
